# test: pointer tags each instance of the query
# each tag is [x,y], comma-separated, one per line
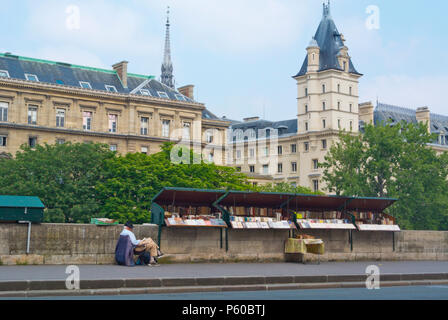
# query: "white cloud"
[104,26]
[387,72]
[407,91]
[368,47]
[238,26]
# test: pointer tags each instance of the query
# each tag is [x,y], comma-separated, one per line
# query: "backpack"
[144,258]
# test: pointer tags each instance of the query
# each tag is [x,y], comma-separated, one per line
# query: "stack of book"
[193,221]
[259,223]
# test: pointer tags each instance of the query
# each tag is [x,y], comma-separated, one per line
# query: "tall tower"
[327,95]
[167,77]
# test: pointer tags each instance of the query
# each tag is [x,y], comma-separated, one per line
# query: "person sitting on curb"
[147,250]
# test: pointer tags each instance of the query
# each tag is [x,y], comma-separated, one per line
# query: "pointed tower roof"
[167,77]
[330,42]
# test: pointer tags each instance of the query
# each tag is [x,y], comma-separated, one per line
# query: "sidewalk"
[99,272]
[43,280]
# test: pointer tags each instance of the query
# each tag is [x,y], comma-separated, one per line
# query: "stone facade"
[44,101]
[327,102]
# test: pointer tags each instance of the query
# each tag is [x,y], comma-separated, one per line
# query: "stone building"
[386,113]
[51,102]
[327,102]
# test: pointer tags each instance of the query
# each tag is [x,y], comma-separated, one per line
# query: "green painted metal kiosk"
[262,210]
[22,209]
[18,208]
[174,208]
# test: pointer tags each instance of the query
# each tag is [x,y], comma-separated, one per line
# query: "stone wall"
[62,243]
[409,245]
[90,244]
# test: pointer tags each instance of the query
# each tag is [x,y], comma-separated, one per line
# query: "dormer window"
[31,77]
[345,65]
[145,92]
[85,85]
[180,97]
[163,95]
[111,88]
[4,74]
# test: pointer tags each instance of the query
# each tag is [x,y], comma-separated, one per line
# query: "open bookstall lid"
[203,197]
[324,226]
[187,197]
[378,227]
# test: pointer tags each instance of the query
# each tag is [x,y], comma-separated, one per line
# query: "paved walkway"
[100,272]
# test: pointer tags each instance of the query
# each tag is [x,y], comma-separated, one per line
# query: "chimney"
[187,91]
[366,113]
[251,119]
[423,115]
[122,70]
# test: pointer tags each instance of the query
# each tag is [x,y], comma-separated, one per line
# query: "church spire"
[167,66]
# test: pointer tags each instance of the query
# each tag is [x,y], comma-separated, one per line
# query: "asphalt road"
[91,272]
[389,293]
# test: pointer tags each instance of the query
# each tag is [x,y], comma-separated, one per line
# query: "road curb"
[41,288]
[195,289]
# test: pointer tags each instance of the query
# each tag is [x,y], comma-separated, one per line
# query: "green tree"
[63,176]
[132,180]
[284,187]
[393,161]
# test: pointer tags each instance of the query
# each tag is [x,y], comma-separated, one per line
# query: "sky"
[241,54]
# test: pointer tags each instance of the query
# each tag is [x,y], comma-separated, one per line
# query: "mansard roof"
[66,74]
[285,128]
[70,75]
[330,43]
[386,112]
